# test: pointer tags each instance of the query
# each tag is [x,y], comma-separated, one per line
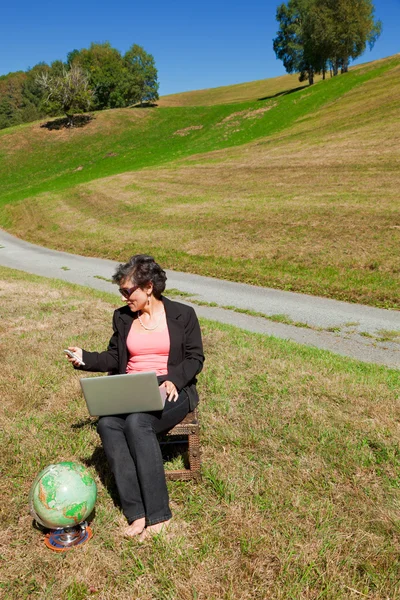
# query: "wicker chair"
[190,427]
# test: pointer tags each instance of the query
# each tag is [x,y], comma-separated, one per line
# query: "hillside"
[241,92]
[298,190]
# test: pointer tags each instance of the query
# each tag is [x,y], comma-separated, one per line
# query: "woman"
[151,333]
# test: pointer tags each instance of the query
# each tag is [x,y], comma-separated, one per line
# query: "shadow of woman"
[98,460]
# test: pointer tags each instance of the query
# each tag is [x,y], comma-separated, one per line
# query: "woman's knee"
[106,424]
[137,423]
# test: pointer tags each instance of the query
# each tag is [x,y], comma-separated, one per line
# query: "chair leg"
[194,455]
[190,427]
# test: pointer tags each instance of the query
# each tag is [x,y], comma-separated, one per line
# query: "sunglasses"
[127,292]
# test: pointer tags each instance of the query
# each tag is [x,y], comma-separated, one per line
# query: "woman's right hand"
[78,352]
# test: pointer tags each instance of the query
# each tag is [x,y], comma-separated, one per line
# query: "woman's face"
[138,297]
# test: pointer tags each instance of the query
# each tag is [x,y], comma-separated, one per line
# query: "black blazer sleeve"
[103,361]
[183,373]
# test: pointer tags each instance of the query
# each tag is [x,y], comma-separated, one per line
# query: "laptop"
[121,394]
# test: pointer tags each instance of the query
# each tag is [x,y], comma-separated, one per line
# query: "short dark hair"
[142,269]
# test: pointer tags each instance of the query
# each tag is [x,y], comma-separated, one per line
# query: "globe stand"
[61,540]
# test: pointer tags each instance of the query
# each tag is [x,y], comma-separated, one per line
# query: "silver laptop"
[119,394]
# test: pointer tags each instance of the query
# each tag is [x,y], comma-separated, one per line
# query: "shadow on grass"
[285,93]
[85,423]
[98,460]
[39,527]
[144,105]
[68,123]
[174,449]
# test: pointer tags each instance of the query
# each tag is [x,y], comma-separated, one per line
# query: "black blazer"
[185,358]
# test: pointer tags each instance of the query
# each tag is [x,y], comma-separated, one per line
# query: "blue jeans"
[134,455]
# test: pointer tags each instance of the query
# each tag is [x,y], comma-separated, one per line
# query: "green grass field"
[295,189]
[301,461]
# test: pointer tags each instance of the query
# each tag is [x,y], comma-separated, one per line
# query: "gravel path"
[357,328]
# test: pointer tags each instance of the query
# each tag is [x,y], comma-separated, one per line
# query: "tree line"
[315,36]
[97,78]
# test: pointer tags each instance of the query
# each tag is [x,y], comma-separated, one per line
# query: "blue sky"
[195,44]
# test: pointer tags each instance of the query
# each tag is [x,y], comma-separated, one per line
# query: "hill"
[243,92]
[296,190]
[240,92]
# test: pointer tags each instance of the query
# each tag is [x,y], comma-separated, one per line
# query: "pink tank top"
[148,352]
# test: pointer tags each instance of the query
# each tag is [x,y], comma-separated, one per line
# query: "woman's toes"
[143,536]
[157,528]
[135,528]
[153,530]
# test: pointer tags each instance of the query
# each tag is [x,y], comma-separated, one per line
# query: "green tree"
[12,102]
[106,72]
[96,77]
[353,26]
[143,76]
[313,33]
[33,93]
[21,97]
[319,35]
[293,44]
[68,91]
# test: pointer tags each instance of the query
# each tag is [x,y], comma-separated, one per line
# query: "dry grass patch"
[187,130]
[247,114]
[301,466]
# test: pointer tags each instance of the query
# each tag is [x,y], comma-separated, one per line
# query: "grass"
[241,92]
[298,191]
[277,318]
[301,463]
[389,335]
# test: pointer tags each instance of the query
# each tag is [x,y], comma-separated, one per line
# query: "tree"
[353,27]
[68,91]
[319,35]
[97,77]
[143,83]
[107,74]
[33,92]
[293,44]
[11,99]
[313,33]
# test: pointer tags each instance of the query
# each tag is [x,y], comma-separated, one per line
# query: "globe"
[62,495]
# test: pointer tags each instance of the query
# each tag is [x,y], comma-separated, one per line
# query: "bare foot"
[153,530]
[135,528]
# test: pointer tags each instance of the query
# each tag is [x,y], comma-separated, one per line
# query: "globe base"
[61,540]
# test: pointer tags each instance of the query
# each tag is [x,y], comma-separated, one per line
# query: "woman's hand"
[172,392]
[78,352]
